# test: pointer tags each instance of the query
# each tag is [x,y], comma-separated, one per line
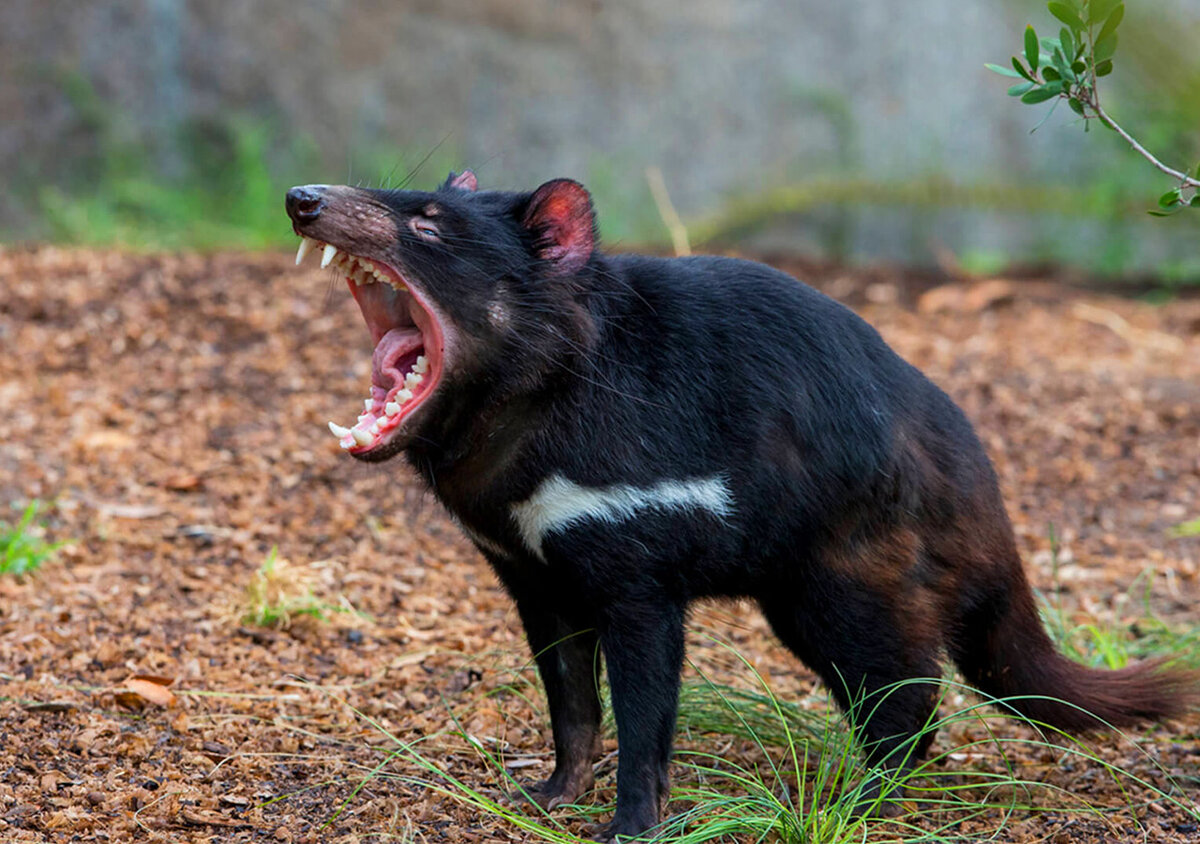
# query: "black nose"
[306,202]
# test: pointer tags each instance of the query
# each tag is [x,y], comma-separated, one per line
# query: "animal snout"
[306,202]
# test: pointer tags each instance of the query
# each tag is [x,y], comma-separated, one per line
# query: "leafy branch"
[1068,67]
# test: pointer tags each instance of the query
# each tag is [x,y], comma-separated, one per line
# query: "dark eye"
[424,229]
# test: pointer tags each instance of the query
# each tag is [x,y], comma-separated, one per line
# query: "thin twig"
[1184,178]
[666,210]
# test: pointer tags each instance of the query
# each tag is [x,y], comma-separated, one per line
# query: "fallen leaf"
[182,483]
[152,689]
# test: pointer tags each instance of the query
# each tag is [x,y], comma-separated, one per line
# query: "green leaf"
[1078,67]
[1098,10]
[1110,25]
[1064,38]
[1003,71]
[1038,95]
[1050,74]
[1018,90]
[1195,203]
[1060,64]
[1154,212]
[1020,69]
[1170,198]
[1076,106]
[1066,14]
[1104,68]
[1031,48]
[1055,88]
[1105,48]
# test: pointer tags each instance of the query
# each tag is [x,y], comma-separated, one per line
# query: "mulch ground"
[173,409]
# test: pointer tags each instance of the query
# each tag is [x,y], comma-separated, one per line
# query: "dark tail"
[1002,649]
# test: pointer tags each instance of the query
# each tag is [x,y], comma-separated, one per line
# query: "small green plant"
[1191,528]
[1069,67]
[1117,642]
[22,547]
[280,592]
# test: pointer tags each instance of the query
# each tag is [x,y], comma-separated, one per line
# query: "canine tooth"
[306,245]
[421,365]
[411,380]
[328,255]
[338,430]
[368,404]
[391,408]
[360,436]
[403,396]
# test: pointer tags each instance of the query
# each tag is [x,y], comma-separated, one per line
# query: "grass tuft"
[23,548]
[1185,529]
[280,592]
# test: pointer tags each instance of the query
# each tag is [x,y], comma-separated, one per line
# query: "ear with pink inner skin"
[560,216]
[462,181]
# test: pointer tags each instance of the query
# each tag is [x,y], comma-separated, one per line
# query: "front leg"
[643,649]
[568,659]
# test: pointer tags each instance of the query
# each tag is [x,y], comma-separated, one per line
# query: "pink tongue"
[391,349]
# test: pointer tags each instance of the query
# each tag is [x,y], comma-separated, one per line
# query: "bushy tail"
[1002,649]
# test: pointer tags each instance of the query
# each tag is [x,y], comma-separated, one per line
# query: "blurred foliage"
[207,184]
[219,182]
[23,547]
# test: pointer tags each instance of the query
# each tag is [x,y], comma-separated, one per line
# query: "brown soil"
[174,408]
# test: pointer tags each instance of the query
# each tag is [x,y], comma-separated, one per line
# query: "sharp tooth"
[403,396]
[411,380]
[345,444]
[306,245]
[338,430]
[421,365]
[377,427]
[368,404]
[360,436]
[328,255]
[391,408]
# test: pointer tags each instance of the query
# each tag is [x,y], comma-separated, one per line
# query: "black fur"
[867,522]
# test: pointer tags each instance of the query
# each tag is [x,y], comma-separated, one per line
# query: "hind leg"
[865,642]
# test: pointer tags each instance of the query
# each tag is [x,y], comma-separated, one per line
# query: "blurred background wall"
[864,130]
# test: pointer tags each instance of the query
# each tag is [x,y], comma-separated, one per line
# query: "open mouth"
[408,359]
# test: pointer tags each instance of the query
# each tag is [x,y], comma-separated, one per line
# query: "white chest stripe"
[558,503]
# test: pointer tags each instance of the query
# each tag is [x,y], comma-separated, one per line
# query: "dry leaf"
[182,483]
[152,689]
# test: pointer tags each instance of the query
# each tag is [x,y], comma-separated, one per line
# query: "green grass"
[22,546]
[1186,529]
[754,768]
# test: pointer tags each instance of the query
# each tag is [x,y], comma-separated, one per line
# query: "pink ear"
[462,181]
[560,215]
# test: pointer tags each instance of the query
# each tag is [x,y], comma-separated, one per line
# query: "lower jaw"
[387,410]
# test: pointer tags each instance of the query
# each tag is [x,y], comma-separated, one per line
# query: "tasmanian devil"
[620,435]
